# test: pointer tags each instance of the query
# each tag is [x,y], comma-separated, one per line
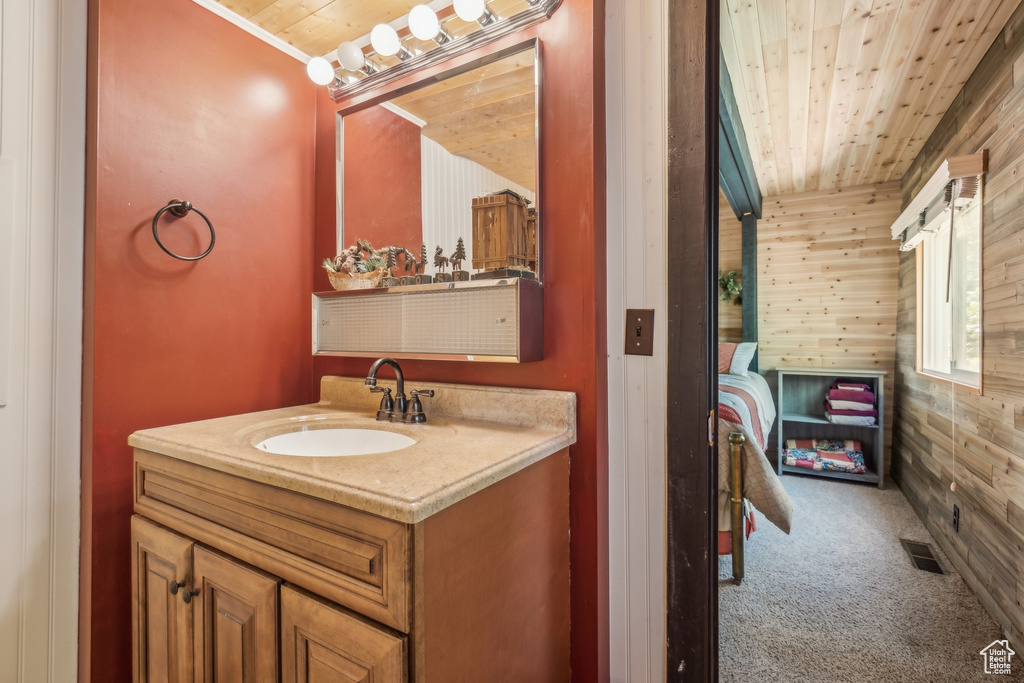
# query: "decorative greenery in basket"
[361,266]
[729,288]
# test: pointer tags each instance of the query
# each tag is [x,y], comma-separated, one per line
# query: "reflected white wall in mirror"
[409,168]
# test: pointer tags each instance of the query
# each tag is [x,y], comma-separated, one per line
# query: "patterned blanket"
[825,454]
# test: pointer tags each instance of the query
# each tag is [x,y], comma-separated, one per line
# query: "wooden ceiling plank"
[493,120]
[512,159]
[869,65]
[486,105]
[321,31]
[279,15]
[909,67]
[776,68]
[775,57]
[513,128]
[750,72]
[823,55]
[491,84]
[851,41]
[938,57]
[897,47]
[974,30]
[800,37]
[247,8]
[762,168]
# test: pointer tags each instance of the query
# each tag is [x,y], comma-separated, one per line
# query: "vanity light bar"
[492,27]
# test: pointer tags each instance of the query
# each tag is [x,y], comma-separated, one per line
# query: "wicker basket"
[344,281]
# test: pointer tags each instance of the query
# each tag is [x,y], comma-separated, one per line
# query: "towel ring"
[180,208]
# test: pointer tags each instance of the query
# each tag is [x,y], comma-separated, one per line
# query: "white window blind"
[951,329]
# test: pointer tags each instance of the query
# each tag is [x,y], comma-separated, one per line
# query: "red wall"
[573,233]
[383,201]
[183,105]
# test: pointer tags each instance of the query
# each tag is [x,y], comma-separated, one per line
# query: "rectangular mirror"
[454,156]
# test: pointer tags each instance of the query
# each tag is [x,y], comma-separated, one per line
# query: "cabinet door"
[161,621]
[235,617]
[320,643]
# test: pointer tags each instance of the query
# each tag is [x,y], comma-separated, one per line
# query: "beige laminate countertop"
[474,437]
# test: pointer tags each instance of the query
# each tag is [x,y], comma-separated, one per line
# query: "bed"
[746,413]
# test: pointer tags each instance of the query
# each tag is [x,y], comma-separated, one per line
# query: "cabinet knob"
[186,595]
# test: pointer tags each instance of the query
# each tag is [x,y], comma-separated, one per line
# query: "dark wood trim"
[749,242]
[692,325]
[735,165]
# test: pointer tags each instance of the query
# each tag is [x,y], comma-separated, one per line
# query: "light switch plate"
[639,332]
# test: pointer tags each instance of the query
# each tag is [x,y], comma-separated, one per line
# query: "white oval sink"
[331,443]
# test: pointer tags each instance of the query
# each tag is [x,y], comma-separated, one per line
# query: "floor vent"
[922,555]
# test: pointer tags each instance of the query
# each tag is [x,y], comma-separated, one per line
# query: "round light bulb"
[470,10]
[385,40]
[423,22]
[320,71]
[350,56]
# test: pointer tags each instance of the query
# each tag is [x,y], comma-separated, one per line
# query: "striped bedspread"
[745,404]
[747,401]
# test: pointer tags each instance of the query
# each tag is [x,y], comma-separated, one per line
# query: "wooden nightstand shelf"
[802,416]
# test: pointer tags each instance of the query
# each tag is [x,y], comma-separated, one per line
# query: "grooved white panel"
[449,185]
[6,282]
[635,74]
[42,181]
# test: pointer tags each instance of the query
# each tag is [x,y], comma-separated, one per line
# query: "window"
[949,328]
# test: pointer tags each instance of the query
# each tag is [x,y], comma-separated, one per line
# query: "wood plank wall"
[827,280]
[730,257]
[989,465]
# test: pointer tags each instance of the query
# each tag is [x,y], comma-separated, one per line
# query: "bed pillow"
[734,359]
[726,351]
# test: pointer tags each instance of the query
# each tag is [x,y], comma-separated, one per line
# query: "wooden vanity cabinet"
[285,586]
[236,620]
[226,631]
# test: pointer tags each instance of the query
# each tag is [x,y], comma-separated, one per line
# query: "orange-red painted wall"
[383,201]
[572,200]
[183,105]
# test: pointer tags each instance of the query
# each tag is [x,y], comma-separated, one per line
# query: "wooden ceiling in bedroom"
[838,93]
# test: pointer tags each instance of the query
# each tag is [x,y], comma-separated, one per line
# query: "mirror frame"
[339,131]
[540,11]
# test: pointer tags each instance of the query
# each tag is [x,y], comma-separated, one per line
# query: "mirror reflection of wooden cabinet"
[411,168]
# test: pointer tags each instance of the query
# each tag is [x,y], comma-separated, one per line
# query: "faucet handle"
[415,414]
[387,404]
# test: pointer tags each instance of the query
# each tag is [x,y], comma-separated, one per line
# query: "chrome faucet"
[400,408]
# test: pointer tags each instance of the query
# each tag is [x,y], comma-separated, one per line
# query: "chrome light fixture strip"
[487,34]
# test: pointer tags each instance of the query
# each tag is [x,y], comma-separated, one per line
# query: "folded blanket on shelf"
[851,420]
[825,454]
[832,410]
[852,387]
[851,405]
[857,396]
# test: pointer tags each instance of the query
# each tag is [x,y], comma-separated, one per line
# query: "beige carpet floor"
[839,600]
